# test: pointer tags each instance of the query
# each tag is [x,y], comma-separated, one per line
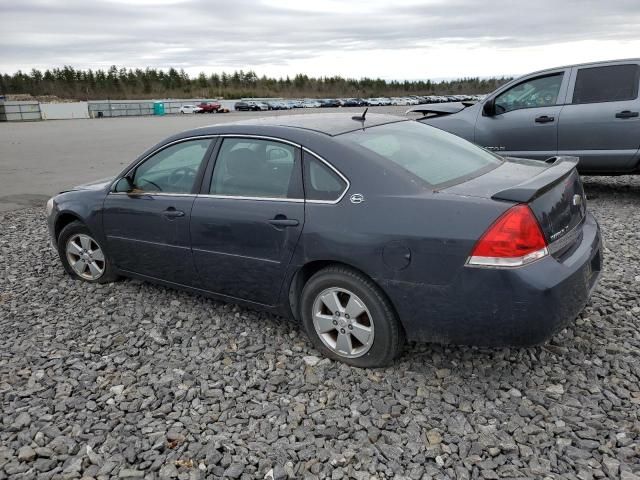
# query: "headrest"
[241,162]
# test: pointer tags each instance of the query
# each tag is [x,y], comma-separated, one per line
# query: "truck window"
[612,83]
[535,92]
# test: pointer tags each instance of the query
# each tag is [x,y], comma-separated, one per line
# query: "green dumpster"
[158,108]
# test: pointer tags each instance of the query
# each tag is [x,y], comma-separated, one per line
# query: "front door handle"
[626,114]
[282,221]
[171,212]
[544,119]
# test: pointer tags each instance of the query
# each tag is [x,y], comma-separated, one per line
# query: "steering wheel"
[179,175]
[151,183]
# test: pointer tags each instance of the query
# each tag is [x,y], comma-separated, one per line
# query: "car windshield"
[433,155]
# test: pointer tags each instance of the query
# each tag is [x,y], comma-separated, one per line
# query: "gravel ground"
[132,380]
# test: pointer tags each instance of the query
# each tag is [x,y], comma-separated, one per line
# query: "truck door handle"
[626,114]
[283,221]
[544,119]
[171,212]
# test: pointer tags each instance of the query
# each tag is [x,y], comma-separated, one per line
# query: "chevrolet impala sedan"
[368,230]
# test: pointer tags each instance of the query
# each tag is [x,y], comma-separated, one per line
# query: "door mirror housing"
[489,107]
[124,185]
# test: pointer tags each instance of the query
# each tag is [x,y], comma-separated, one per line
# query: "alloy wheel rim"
[343,322]
[85,257]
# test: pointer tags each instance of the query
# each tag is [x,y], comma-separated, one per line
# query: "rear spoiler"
[560,167]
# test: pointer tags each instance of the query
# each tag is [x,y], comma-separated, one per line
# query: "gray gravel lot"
[39,159]
[132,380]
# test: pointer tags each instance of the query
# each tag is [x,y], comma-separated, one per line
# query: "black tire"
[388,338]
[79,228]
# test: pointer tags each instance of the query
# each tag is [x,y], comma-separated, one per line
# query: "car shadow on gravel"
[612,188]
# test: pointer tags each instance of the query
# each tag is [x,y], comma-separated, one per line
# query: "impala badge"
[357,198]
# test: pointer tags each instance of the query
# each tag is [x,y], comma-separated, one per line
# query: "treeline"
[121,83]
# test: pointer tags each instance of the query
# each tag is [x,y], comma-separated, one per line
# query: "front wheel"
[348,318]
[82,256]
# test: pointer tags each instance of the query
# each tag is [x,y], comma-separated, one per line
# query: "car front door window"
[172,170]
[537,92]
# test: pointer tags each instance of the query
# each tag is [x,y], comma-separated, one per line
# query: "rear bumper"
[497,307]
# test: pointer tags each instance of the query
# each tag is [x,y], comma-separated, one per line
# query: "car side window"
[172,170]
[320,181]
[537,92]
[612,83]
[248,167]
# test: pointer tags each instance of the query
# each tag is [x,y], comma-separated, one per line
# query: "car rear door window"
[536,92]
[321,182]
[612,83]
[173,169]
[248,167]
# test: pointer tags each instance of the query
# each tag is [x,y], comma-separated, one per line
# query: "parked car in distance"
[315,217]
[250,105]
[242,106]
[590,111]
[308,103]
[278,105]
[211,107]
[329,103]
[190,109]
[351,102]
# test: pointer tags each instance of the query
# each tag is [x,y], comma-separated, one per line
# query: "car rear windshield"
[435,156]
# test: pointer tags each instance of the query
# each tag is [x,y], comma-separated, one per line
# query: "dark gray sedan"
[367,231]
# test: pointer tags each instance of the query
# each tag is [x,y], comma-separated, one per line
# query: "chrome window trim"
[259,137]
[239,197]
[154,194]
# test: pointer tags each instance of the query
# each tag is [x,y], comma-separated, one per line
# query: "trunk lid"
[552,189]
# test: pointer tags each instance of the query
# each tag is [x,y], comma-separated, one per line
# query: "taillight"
[513,240]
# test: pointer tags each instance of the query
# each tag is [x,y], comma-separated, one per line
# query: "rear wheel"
[348,318]
[82,256]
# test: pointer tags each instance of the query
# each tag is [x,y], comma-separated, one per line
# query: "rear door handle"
[626,114]
[173,213]
[544,119]
[282,221]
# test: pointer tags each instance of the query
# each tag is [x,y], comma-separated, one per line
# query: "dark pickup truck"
[589,111]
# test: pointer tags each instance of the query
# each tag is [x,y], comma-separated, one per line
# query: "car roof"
[588,64]
[327,123]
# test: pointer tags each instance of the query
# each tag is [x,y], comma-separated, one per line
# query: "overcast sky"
[401,39]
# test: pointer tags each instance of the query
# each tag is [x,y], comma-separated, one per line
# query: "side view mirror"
[124,185]
[489,108]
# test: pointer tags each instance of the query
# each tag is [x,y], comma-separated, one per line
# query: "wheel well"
[307,271]
[301,277]
[62,221]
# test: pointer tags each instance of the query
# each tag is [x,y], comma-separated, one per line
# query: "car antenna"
[361,118]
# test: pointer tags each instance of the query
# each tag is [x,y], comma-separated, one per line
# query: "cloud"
[280,37]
